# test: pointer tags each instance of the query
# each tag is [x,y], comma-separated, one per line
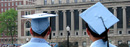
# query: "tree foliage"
[8,22]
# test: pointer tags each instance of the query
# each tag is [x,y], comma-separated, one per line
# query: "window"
[19,3]
[68,18]
[128,16]
[83,22]
[28,33]
[84,33]
[27,12]
[53,20]
[60,20]
[45,2]
[84,44]
[52,1]
[8,4]
[119,32]
[1,9]
[60,1]
[1,4]
[128,32]
[12,3]
[119,42]
[16,4]
[28,24]
[120,17]
[61,34]
[76,19]
[5,4]
[53,34]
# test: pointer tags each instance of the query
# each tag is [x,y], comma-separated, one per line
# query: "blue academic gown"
[36,42]
[101,43]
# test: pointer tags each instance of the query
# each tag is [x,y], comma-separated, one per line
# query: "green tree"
[8,22]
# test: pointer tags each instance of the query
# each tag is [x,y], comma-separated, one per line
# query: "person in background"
[40,29]
[98,21]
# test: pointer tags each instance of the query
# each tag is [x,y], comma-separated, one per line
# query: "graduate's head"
[92,33]
[40,27]
[98,20]
[40,24]
[45,33]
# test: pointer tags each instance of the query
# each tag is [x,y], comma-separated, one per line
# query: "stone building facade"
[68,15]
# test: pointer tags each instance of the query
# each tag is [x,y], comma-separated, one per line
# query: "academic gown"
[36,42]
[101,43]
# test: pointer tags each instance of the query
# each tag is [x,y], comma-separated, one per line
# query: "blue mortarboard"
[39,21]
[98,18]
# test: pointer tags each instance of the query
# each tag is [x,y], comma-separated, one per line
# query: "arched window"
[28,24]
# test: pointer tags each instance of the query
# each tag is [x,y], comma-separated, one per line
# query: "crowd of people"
[10,45]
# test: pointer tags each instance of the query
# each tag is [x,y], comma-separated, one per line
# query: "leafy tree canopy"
[8,21]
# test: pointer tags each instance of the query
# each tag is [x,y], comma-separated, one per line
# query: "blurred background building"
[7,5]
[68,15]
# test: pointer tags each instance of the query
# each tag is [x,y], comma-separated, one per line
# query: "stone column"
[115,26]
[72,23]
[80,24]
[19,26]
[124,20]
[57,23]
[64,23]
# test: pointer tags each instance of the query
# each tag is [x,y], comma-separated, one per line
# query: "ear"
[87,31]
[31,30]
[49,31]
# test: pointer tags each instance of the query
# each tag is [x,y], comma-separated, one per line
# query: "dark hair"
[104,34]
[42,35]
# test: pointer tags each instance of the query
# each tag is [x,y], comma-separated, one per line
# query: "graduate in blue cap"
[98,21]
[40,29]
